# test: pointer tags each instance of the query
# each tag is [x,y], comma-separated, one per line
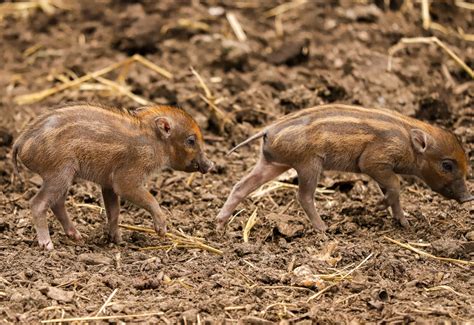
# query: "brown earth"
[253,82]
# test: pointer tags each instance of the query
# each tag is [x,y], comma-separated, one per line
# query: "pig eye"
[447,166]
[191,141]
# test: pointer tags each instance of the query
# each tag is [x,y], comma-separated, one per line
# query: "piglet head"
[442,163]
[184,142]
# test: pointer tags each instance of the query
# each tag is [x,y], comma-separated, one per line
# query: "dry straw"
[96,75]
[180,240]
[425,254]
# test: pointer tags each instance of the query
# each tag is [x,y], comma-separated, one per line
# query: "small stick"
[95,318]
[236,27]
[106,302]
[250,223]
[318,294]
[423,253]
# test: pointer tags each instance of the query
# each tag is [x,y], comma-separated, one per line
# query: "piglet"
[117,149]
[378,142]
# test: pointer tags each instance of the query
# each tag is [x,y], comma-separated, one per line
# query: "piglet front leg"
[390,187]
[138,194]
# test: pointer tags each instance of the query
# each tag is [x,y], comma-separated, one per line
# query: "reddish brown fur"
[115,148]
[380,143]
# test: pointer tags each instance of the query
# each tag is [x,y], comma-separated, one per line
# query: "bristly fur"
[116,109]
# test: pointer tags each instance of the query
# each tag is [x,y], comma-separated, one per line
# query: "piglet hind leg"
[50,195]
[308,177]
[112,209]
[59,210]
[263,172]
[138,194]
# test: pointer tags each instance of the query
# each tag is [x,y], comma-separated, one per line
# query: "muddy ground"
[323,52]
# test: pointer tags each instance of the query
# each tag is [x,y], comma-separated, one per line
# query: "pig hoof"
[161,231]
[74,234]
[220,226]
[115,237]
[404,223]
[46,244]
[320,226]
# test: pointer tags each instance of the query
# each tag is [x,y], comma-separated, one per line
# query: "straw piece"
[425,14]
[445,287]
[203,85]
[150,65]
[95,318]
[278,10]
[40,95]
[276,185]
[464,4]
[236,27]
[124,91]
[250,223]
[179,240]
[106,302]
[426,40]
[423,253]
[319,293]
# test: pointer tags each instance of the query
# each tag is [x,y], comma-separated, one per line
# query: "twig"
[423,253]
[426,40]
[236,27]
[318,294]
[106,302]
[95,318]
[249,225]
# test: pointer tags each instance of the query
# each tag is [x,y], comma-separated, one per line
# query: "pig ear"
[420,140]
[163,126]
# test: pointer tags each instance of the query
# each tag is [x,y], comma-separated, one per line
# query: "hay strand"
[40,95]
[319,293]
[97,318]
[236,27]
[425,254]
[249,225]
[179,240]
[278,10]
[109,299]
[426,40]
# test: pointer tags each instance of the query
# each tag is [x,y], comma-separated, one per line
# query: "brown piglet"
[378,142]
[117,149]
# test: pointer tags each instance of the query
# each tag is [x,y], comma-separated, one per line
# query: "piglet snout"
[206,166]
[466,198]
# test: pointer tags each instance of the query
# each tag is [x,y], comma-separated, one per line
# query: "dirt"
[330,51]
